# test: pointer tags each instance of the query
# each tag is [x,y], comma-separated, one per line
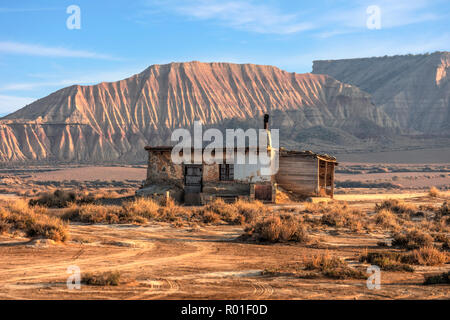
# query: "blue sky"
[39,54]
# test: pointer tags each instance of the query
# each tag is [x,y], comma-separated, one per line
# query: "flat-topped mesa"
[113,121]
[412,89]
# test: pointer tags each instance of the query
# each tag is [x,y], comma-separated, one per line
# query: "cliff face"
[413,90]
[114,121]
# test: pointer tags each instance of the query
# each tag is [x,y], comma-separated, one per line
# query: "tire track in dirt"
[88,262]
[261,290]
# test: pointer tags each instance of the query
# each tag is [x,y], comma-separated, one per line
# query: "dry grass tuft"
[277,228]
[412,239]
[333,267]
[443,278]
[434,192]
[101,279]
[143,207]
[33,221]
[426,256]
[340,215]
[444,210]
[388,261]
[398,207]
[386,219]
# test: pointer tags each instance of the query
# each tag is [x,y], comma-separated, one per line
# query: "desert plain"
[391,215]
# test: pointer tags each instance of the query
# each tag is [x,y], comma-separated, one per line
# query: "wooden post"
[332,181]
[318,177]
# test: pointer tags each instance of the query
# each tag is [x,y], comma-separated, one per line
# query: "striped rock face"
[114,121]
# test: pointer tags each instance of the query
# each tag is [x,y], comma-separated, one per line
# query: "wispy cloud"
[11,103]
[57,81]
[22,10]
[259,17]
[43,51]
[394,14]
[244,15]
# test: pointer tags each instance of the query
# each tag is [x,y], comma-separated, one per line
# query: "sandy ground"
[434,155]
[159,261]
[92,173]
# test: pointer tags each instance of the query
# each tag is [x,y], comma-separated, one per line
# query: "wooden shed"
[306,173]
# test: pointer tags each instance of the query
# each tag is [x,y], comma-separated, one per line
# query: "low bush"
[434,192]
[398,207]
[340,215]
[426,256]
[412,239]
[33,221]
[444,210]
[101,279]
[388,261]
[443,278]
[277,228]
[333,267]
[386,219]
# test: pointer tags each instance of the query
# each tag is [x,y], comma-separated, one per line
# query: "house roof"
[306,153]
[283,152]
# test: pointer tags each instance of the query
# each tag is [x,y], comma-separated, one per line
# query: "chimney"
[266,122]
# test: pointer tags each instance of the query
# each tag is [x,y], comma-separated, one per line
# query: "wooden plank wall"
[298,174]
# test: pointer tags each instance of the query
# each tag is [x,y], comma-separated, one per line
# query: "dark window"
[226,172]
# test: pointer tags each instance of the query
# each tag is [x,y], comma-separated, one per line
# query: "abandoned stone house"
[302,172]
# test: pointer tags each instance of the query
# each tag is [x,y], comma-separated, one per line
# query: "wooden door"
[193,178]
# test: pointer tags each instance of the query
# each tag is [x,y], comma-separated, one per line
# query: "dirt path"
[177,263]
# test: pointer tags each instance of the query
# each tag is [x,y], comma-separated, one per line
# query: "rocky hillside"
[414,90]
[114,121]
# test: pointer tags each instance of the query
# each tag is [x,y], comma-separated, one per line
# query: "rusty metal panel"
[263,192]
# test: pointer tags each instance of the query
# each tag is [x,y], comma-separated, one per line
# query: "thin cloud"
[11,103]
[43,51]
[394,14]
[242,15]
[21,10]
[52,81]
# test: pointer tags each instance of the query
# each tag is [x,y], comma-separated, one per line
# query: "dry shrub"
[277,228]
[386,219]
[143,207]
[250,210]
[57,199]
[101,279]
[333,267]
[412,239]
[219,210]
[398,207]
[443,278]
[444,210]
[427,256]
[314,207]
[237,213]
[33,221]
[62,198]
[340,215]
[434,192]
[210,217]
[388,261]
[91,213]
